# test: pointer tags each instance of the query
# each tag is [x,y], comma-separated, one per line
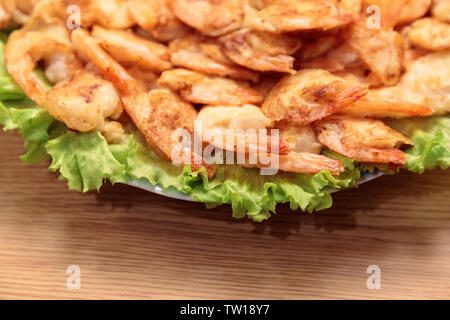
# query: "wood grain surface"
[132,244]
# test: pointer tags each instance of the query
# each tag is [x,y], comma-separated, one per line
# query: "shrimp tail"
[244,143]
[349,96]
[395,157]
[309,163]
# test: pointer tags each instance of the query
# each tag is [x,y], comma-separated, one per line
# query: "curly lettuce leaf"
[34,124]
[84,160]
[247,191]
[431,137]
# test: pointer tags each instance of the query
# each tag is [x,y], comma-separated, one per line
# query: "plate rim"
[144,184]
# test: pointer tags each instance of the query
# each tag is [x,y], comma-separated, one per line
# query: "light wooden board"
[129,243]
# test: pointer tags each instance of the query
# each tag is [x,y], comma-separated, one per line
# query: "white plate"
[145,185]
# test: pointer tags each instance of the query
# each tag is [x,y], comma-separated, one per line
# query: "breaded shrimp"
[202,89]
[156,114]
[203,54]
[381,49]
[212,17]
[363,140]
[292,15]
[131,50]
[261,51]
[430,34]
[230,124]
[308,96]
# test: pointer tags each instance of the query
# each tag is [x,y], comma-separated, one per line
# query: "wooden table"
[130,243]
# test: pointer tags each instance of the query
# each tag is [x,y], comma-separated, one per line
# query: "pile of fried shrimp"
[325,73]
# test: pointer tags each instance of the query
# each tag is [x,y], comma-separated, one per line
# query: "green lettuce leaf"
[84,160]
[431,137]
[33,123]
[247,191]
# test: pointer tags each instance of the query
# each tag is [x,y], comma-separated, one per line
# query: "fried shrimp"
[308,96]
[261,51]
[205,55]
[80,99]
[268,80]
[305,151]
[363,140]
[26,48]
[202,89]
[430,34]
[117,14]
[236,129]
[84,102]
[131,50]
[300,139]
[293,15]
[381,49]
[212,17]
[423,90]
[156,114]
